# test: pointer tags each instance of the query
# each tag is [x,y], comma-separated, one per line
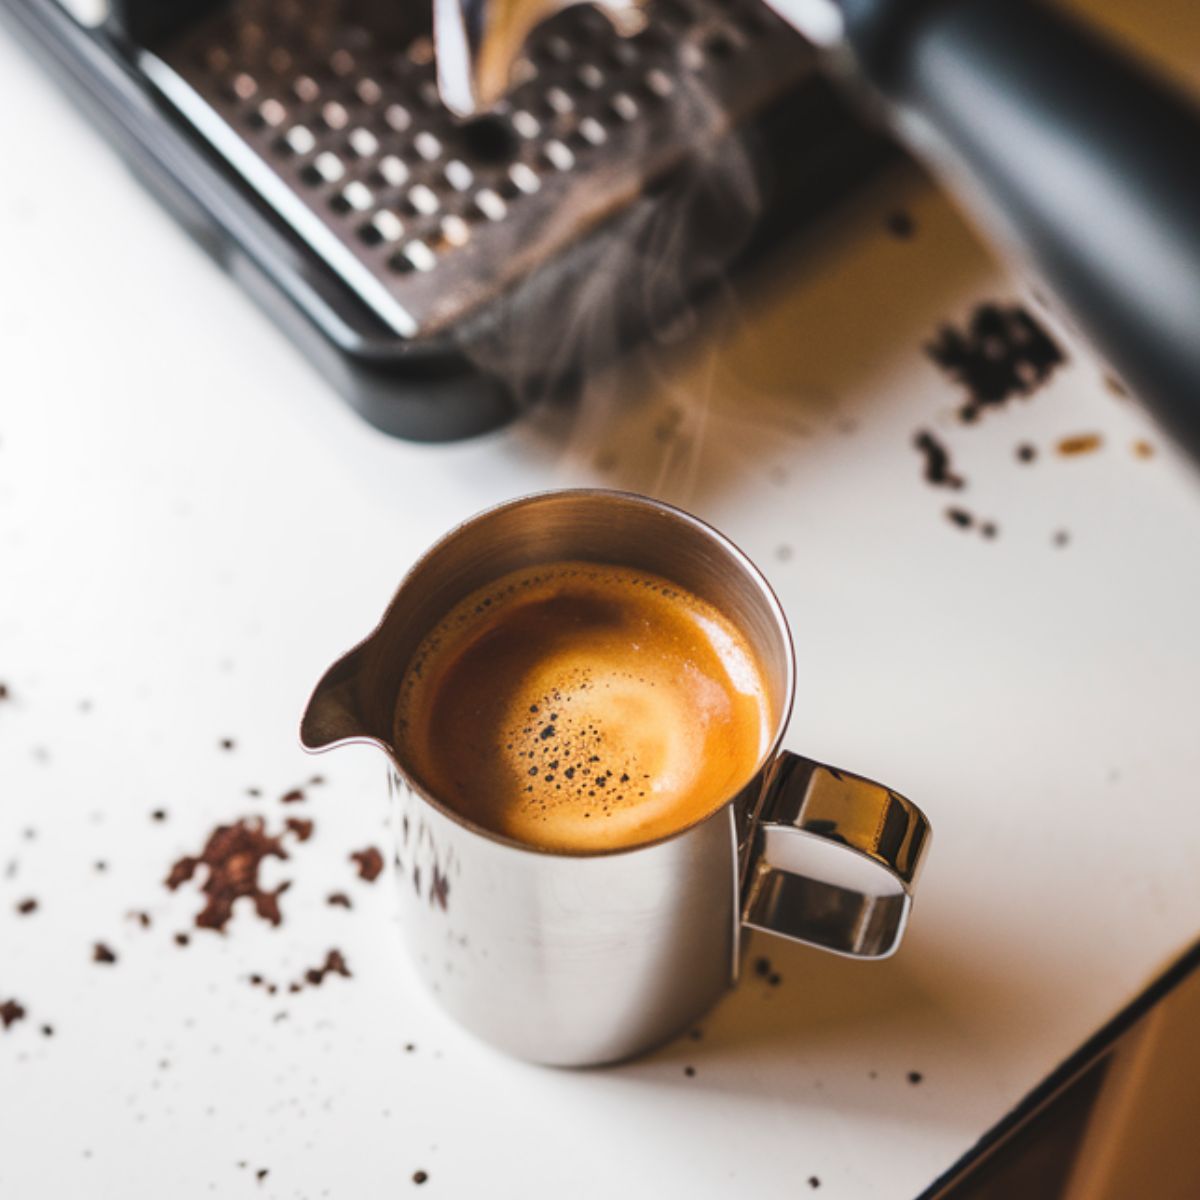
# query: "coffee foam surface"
[582,707]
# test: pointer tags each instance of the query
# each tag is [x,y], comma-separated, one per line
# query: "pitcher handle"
[833,859]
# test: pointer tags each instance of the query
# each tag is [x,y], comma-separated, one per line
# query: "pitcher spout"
[336,712]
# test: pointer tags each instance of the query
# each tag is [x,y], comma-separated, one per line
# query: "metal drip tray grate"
[330,111]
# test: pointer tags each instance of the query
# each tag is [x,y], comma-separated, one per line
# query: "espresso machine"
[447,203]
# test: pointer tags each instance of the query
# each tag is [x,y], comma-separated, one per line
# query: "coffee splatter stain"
[813,1182]
[420,1176]
[369,863]
[960,517]
[939,471]
[915,1077]
[338,900]
[900,224]
[27,906]
[1026,453]
[1003,352]
[303,829]
[11,1011]
[1079,443]
[103,954]
[1143,449]
[292,797]
[232,857]
[439,889]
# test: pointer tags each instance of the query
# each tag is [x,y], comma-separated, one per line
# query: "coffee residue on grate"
[232,857]
[1003,352]
[939,471]
[11,1011]
[369,863]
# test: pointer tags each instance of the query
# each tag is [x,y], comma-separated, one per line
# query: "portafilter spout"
[479,42]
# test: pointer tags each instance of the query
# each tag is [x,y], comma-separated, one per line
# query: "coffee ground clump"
[369,863]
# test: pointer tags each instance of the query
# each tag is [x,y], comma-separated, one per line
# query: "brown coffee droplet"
[1079,443]
[369,863]
[11,1011]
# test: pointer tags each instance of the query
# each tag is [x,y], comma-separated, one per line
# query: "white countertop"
[192,527]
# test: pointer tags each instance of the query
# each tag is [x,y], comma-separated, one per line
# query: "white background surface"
[192,527]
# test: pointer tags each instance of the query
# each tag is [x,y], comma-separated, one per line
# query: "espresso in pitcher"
[580,706]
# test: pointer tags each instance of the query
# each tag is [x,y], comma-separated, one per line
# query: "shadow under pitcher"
[576,957]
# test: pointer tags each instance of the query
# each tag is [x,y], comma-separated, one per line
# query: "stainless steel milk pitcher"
[586,958]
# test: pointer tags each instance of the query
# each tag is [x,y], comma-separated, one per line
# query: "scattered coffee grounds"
[316,780]
[900,224]
[259,981]
[100,865]
[334,964]
[409,1047]
[338,900]
[292,797]
[302,828]
[1061,538]
[5,694]
[813,1182]
[261,1173]
[103,954]
[915,1077]
[254,792]
[370,863]
[226,743]
[762,967]
[27,906]
[142,918]
[988,529]
[1026,453]
[1080,443]
[181,939]
[774,979]
[11,1012]
[689,1071]
[232,856]
[420,1176]
[1143,449]
[960,517]
[1002,353]
[47,1031]
[159,814]
[938,469]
